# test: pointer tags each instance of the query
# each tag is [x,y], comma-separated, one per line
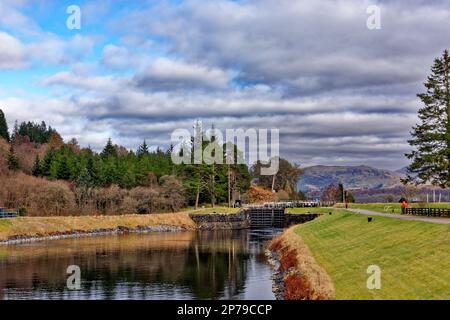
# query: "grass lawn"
[308,210]
[414,257]
[389,207]
[219,210]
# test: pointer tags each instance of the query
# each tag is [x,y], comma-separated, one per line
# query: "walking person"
[403,206]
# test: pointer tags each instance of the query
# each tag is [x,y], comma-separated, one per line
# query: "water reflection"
[221,264]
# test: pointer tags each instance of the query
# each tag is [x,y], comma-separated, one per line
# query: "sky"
[339,92]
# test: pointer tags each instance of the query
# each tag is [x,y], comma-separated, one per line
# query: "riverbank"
[25,229]
[412,257]
[298,276]
[22,229]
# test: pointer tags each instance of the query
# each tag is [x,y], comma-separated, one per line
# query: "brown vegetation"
[48,226]
[41,197]
[260,195]
[304,279]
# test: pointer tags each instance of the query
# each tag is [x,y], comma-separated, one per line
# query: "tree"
[46,164]
[431,137]
[36,170]
[109,150]
[63,170]
[13,161]
[4,133]
[285,179]
[143,149]
[332,193]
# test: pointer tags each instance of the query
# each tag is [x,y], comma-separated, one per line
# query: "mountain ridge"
[317,178]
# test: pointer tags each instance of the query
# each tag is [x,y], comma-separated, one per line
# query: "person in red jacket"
[403,206]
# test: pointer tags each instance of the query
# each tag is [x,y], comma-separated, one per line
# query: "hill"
[316,178]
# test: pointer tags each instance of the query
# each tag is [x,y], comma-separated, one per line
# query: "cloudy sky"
[339,92]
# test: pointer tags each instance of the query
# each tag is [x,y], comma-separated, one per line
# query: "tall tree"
[63,169]
[4,133]
[109,150]
[143,149]
[13,161]
[36,170]
[431,137]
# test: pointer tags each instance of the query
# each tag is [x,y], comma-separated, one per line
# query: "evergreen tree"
[143,150]
[431,137]
[63,170]
[84,179]
[4,133]
[13,161]
[46,164]
[36,170]
[109,150]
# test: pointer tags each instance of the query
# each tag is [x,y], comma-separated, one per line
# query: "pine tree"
[63,170]
[47,162]
[36,170]
[431,137]
[13,161]
[143,150]
[109,150]
[4,133]
[84,179]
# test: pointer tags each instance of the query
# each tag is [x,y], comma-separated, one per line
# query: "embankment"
[300,276]
[23,229]
[216,221]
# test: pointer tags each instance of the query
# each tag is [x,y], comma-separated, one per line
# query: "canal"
[223,264]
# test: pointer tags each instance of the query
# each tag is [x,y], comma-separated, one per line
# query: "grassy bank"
[390,207]
[308,210]
[303,278]
[413,256]
[47,226]
[215,210]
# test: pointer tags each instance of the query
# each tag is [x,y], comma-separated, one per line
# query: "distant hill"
[316,178]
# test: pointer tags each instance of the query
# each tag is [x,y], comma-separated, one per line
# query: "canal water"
[223,264]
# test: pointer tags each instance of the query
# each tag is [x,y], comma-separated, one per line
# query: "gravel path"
[402,217]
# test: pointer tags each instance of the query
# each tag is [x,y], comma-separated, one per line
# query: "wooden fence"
[430,212]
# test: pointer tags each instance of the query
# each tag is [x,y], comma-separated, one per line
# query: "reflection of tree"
[211,266]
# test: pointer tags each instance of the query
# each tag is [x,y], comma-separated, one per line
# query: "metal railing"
[429,212]
[7,214]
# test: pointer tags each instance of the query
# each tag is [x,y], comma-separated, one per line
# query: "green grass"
[215,210]
[414,257]
[390,207]
[308,210]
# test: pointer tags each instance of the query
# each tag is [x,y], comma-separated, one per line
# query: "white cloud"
[12,54]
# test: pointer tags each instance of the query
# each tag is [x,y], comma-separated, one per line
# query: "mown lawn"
[215,210]
[390,207]
[308,210]
[414,257]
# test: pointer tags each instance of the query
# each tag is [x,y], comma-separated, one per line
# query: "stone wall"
[215,221]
